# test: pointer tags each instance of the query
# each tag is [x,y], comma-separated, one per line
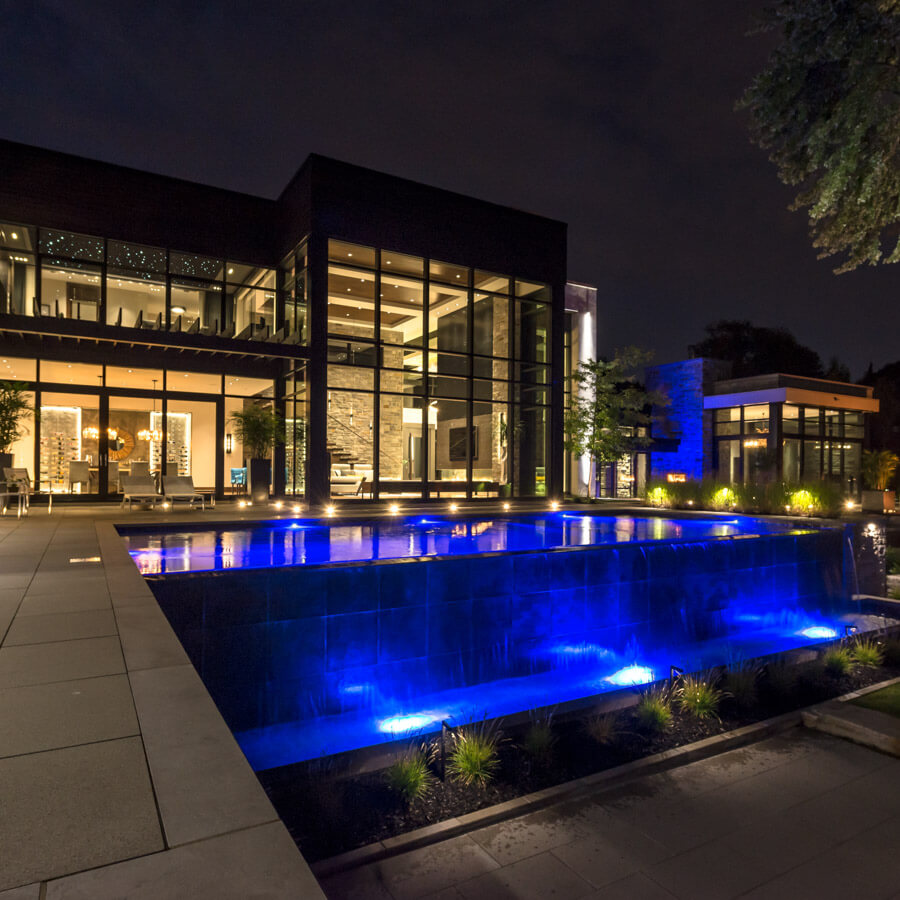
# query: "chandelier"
[149,434]
[92,433]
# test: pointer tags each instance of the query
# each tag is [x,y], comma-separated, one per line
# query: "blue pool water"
[310,542]
[331,637]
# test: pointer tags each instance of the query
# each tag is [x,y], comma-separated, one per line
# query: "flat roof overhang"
[792,395]
[30,336]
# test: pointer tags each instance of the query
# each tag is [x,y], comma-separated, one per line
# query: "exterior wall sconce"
[229,443]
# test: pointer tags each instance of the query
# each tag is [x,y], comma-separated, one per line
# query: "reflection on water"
[304,542]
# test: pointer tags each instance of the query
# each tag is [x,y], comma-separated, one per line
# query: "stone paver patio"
[118,776]
[795,816]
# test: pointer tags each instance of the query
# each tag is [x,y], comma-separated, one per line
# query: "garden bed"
[329,812]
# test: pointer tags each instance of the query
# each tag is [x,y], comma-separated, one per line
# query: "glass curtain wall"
[816,443]
[295,418]
[63,275]
[445,371]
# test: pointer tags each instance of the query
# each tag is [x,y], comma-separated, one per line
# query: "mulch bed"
[328,812]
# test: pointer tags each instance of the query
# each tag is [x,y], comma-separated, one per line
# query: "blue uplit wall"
[683,422]
[282,645]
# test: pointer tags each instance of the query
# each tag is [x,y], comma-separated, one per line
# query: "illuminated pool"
[310,542]
[324,638]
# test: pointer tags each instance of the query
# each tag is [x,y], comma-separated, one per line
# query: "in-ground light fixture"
[393,509]
[329,510]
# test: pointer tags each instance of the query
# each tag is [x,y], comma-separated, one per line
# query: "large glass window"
[196,306]
[448,318]
[70,290]
[351,301]
[17,282]
[295,291]
[251,303]
[69,457]
[728,421]
[135,299]
[350,442]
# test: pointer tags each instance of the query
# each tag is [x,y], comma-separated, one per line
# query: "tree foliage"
[610,407]
[258,428]
[753,350]
[827,109]
[14,408]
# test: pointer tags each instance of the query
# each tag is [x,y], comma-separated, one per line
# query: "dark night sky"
[614,117]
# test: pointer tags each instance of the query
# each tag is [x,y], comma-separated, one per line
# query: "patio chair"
[141,469]
[79,473]
[137,489]
[181,487]
[18,484]
[238,480]
[112,475]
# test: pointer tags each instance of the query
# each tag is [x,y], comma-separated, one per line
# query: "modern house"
[414,340]
[752,430]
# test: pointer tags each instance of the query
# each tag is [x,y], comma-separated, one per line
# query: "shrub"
[891,650]
[867,652]
[654,710]
[604,728]
[410,777]
[838,662]
[780,679]
[540,740]
[700,696]
[473,754]
[659,494]
[892,560]
[741,682]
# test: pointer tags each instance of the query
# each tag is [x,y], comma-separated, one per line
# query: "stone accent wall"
[685,383]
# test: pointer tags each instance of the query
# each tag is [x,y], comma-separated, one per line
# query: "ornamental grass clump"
[410,777]
[742,684]
[473,757]
[838,662]
[654,710]
[867,652]
[603,728]
[540,740]
[780,679]
[700,696]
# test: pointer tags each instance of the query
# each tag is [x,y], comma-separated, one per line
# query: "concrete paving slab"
[259,863]
[601,861]
[634,887]
[430,869]
[28,892]
[61,626]
[534,878]
[62,661]
[148,640]
[525,836]
[71,601]
[75,808]
[714,871]
[9,604]
[203,783]
[867,727]
[63,582]
[66,713]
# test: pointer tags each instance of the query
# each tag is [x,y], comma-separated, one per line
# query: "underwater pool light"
[632,675]
[404,724]
[819,632]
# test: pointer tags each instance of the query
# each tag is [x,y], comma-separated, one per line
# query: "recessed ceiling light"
[349,254]
[15,237]
[231,271]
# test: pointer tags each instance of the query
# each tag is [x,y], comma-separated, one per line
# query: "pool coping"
[572,790]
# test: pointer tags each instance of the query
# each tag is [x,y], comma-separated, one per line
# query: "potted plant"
[14,407]
[258,428]
[878,467]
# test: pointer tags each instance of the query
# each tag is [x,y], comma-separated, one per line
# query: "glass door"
[73,443]
[135,437]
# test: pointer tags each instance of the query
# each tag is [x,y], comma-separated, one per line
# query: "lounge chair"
[17,483]
[181,487]
[138,489]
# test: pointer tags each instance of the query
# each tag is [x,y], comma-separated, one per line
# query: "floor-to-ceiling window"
[438,378]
